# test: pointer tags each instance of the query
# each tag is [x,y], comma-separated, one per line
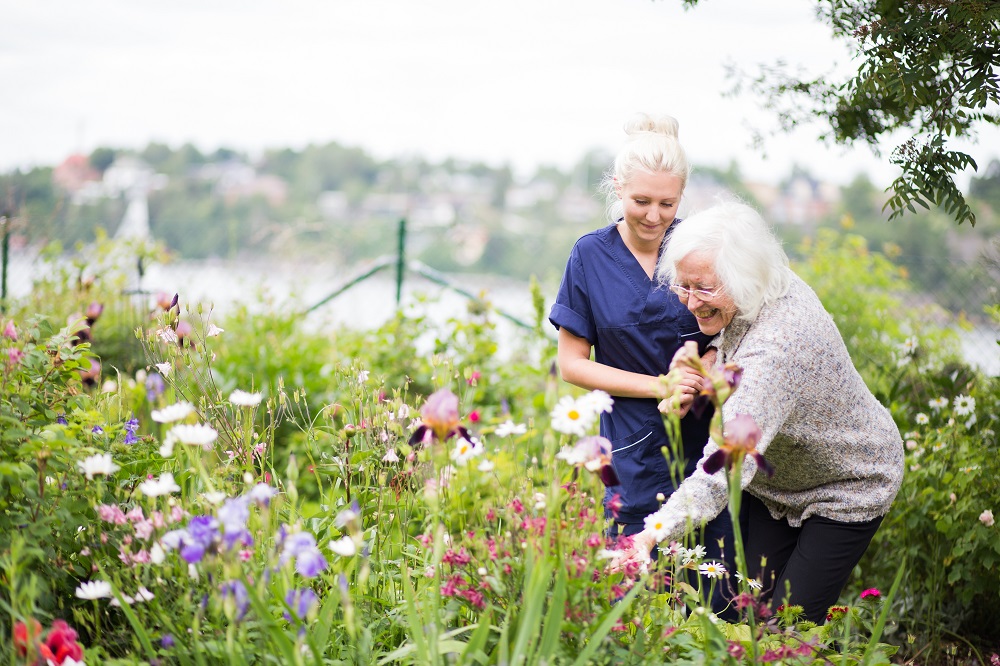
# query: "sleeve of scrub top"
[572,309]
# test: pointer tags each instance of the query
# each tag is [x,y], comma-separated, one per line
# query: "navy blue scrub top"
[634,324]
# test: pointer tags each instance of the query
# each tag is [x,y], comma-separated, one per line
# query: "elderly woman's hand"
[635,558]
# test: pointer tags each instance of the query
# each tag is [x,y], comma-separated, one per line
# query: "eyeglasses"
[684,293]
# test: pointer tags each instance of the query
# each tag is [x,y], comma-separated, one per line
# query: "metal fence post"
[400,261]
[5,219]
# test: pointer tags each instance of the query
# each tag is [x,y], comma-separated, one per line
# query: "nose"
[693,302]
[653,215]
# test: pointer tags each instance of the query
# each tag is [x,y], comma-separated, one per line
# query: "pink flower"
[871,592]
[14,356]
[986,518]
[111,514]
[9,331]
[439,415]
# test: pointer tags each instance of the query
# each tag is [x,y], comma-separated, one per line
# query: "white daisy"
[100,464]
[938,404]
[94,589]
[176,412]
[753,583]
[244,398]
[572,417]
[964,405]
[922,419]
[712,569]
[657,524]
[694,554]
[466,449]
[508,428]
[598,401]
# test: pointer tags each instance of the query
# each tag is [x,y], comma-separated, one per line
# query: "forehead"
[697,268]
[660,184]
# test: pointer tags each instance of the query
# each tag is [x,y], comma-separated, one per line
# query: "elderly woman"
[836,453]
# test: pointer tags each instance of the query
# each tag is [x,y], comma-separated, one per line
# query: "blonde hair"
[652,146]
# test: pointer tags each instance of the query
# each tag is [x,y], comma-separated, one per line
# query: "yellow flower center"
[573,415]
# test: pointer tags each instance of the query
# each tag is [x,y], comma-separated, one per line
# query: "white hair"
[652,146]
[749,261]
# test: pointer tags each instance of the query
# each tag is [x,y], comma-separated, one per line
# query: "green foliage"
[431,557]
[928,70]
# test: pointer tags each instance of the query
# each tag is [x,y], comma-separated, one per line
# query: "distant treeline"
[340,204]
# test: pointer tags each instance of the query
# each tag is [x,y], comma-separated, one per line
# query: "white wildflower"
[964,405]
[345,547]
[95,589]
[198,434]
[100,464]
[158,487]
[244,398]
[176,412]
[509,428]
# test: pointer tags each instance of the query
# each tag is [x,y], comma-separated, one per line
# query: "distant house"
[74,173]
[234,180]
[803,200]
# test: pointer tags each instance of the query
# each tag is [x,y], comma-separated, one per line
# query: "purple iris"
[130,427]
[234,514]
[200,536]
[155,386]
[97,430]
[237,591]
[308,560]
[262,494]
[301,602]
[61,420]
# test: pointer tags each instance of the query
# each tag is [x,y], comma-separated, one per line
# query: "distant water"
[371,303]
[368,304]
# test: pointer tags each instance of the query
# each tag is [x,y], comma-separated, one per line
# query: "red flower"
[871,592]
[25,635]
[61,641]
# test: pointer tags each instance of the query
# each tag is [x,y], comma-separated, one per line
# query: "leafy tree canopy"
[929,70]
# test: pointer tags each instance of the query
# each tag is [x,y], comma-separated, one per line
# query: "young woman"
[609,303]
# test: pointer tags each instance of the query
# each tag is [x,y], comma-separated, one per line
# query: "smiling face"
[650,203]
[697,271]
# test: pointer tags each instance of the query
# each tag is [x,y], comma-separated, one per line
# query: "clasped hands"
[687,384]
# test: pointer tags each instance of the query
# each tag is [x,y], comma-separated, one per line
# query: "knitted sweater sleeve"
[767,393]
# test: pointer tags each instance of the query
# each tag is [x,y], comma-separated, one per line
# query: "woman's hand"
[689,384]
[636,558]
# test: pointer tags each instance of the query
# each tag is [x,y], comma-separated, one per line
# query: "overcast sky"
[526,82]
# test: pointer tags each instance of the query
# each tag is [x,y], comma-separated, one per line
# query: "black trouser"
[716,530]
[815,559]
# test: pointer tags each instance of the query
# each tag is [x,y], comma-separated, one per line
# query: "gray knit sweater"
[836,451]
